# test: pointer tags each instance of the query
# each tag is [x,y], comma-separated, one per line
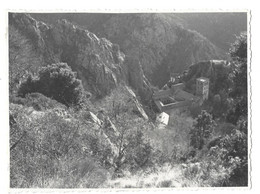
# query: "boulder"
[94,118]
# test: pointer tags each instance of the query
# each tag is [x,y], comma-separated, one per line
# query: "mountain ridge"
[99,63]
[156,40]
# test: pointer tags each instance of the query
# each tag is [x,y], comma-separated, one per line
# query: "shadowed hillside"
[217,26]
[160,42]
[100,64]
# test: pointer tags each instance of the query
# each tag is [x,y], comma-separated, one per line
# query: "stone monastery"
[175,97]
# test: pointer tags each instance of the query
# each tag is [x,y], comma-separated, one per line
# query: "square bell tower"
[202,87]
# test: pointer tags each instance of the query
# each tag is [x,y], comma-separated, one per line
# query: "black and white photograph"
[128,100]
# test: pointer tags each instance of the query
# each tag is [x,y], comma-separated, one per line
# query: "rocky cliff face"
[161,43]
[99,63]
[158,42]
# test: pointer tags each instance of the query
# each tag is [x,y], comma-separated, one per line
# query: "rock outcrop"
[134,105]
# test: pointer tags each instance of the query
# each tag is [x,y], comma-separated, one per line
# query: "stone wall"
[176,105]
[170,106]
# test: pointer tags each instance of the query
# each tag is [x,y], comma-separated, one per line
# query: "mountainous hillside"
[48,104]
[82,112]
[220,28]
[99,63]
[158,41]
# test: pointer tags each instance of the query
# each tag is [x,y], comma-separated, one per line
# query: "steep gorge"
[160,42]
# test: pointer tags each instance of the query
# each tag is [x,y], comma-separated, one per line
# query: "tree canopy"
[202,129]
[56,81]
[238,53]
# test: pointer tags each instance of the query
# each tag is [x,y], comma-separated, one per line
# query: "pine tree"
[202,130]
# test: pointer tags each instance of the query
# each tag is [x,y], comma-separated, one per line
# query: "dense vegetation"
[55,81]
[62,138]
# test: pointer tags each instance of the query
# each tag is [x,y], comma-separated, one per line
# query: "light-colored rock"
[135,104]
[94,118]
[110,128]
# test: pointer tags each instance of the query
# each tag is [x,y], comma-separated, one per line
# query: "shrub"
[202,130]
[236,148]
[238,111]
[17,100]
[195,110]
[139,150]
[134,149]
[238,53]
[31,85]
[165,183]
[56,81]
[38,101]
[49,151]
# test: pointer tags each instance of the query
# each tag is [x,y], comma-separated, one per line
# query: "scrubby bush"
[56,81]
[238,110]
[202,130]
[47,150]
[238,53]
[195,110]
[139,150]
[77,173]
[134,149]
[38,101]
[225,163]
[236,148]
